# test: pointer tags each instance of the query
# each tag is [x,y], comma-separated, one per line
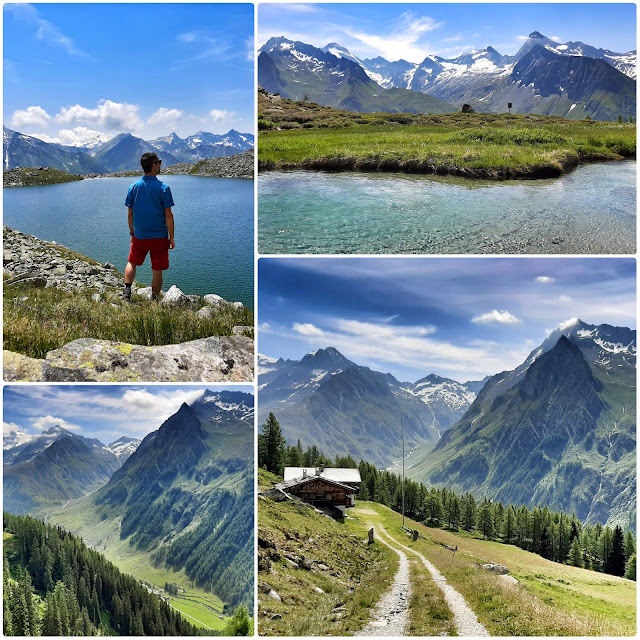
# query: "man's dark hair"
[147,161]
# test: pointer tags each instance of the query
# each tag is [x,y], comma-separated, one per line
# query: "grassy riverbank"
[39,320]
[494,146]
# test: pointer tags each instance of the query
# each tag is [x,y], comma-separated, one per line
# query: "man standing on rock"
[150,219]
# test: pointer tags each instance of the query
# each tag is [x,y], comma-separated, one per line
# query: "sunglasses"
[157,162]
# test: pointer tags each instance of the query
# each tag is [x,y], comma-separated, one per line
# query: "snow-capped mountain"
[333,77]
[14,438]
[27,446]
[289,381]
[123,447]
[450,393]
[120,153]
[556,82]
[570,80]
[559,429]
[225,409]
[331,402]
[21,150]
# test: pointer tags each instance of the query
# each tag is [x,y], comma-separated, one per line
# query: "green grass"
[198,611]
[550,600]
[357,574]
[39,320]
[470,145]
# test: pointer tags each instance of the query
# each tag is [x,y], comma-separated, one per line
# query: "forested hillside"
[54,585]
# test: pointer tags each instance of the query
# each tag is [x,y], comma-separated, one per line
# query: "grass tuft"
[39,320]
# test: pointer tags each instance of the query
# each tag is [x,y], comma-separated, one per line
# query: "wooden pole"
[402,428]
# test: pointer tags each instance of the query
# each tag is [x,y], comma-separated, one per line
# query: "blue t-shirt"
[148,197]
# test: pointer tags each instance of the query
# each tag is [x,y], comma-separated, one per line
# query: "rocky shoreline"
[31,262]
[239,165]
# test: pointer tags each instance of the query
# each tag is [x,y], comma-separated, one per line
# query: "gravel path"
[464,619]
[391,615]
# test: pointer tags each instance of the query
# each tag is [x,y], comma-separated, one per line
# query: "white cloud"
[164,116]
[30,117]
[10,427]
[45,30]
[384,347]
[307,329]
[219,115]
[501,317]
[44,422]
[545,279]
[113,116]
[555,38]
[569,323]
[403,41]
[76,137]
[250,49]
[565,299]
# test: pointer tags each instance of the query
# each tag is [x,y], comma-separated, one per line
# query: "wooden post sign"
[371,535]
[414,535]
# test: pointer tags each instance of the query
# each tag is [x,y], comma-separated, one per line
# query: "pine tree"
[629,544]
[575,554]
[271,446]
[485,520]
[616,559]
[469,511]
[630,570]
[509,524]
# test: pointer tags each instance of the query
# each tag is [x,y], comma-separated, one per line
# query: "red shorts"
[159,248]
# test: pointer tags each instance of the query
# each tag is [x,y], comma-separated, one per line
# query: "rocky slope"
[239,165]
[29,261]
[557,430]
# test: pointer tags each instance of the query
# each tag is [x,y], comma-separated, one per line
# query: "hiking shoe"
[126,294]
[154,298]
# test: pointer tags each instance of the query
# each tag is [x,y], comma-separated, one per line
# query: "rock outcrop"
[236,166]
[28,259]
[215,359]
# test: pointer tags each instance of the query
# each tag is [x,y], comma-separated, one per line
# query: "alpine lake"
[591,210]
[214,228]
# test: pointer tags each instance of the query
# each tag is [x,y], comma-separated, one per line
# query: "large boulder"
[175,298]
[215,359]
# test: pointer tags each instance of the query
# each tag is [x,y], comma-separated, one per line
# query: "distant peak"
[537,35]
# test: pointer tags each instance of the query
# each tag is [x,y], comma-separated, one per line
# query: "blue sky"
[106,412]
[462,318]
[412,31]
[146,69]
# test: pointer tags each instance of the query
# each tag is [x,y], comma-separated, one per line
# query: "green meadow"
[474,145]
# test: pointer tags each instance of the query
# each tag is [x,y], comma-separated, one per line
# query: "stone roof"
[328,473]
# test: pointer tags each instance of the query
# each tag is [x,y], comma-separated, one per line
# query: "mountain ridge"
[120,153]
[559,429]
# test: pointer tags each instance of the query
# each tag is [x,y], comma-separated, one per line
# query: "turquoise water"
[213,222]
[590,210]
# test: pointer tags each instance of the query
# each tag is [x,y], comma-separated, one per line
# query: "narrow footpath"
[464,619]
[391,615]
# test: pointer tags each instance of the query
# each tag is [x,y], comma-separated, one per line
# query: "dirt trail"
[464,619]
[391,615]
